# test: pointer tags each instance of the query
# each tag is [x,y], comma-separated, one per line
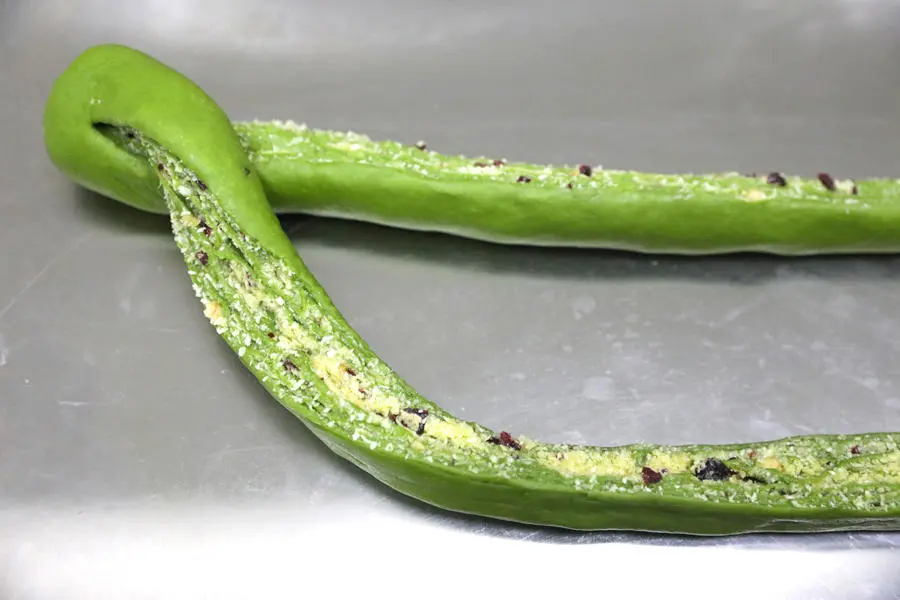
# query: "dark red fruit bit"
[271,335]
[422,414]
[290,366]
[855,450]
[854,190]
[776,179]
[650,476]
[207,230]
[349,371]
[481,164]
[753,479]
[569,185]
[392,416]
[585,170]
[507,440]
[713,469]
[751,454]
[201,185]
[504,439]
[421,145]
[828,181]
[160,167]
[523,179]
[203,257]
[498,163]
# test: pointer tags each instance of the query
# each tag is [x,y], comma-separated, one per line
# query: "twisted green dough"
[119,122]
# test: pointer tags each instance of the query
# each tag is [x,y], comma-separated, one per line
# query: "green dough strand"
[121,123]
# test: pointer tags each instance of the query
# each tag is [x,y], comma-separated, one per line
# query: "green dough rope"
[119,122]
[347,175]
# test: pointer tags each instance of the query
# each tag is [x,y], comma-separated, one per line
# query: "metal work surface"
[139,460]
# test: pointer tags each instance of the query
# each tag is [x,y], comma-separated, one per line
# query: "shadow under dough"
[578,263]
[111,215]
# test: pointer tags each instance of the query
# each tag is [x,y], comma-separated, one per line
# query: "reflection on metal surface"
[272,28]
[137,457]
[259,550]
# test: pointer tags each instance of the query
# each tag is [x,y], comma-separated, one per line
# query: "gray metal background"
[138,460]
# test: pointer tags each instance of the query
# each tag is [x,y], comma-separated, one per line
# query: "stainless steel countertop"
[138,459]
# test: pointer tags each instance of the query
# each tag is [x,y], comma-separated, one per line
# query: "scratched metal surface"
[138,460]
